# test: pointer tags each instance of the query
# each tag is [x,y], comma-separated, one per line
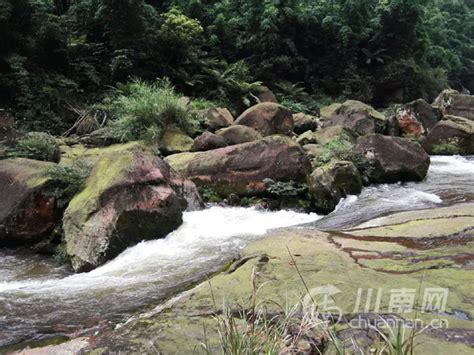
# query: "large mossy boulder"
[27,209]
[452,102]
[267,118]
[453,135]
[238,134]
[130,196]
[359,117]
[331,182]
[393,159]
[175,141]
[241,169]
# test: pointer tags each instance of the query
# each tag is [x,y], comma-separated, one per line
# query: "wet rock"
[175,141]
[208,141]
[130,196]
[304,122]
[359,117]
[453,103]
[326,262]
[393,159]
[267,118]
[27,209]
[331,182]
[453,135]
[238,134]
[241,168]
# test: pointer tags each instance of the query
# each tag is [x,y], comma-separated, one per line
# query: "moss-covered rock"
[130,196]
[342,263]
[453,135]
[361,118]
[175,141]
[331,182]
[27,210]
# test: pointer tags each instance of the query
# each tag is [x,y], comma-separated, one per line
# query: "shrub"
[143,111]
[67,181]
[446,148]
[34,145]
[341,148]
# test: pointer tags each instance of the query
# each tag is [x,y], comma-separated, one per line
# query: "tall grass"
[144,110]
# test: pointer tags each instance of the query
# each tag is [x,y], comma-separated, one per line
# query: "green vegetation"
[143,111]
[67,181]
[446,148]
[34,145]
[55,55]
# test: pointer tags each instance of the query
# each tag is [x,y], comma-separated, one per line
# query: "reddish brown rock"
[453,103]
[241,169]
[238,134]
[208,141]
[393,158]
[453,135]
[27,210]
[267,118]
[130,196]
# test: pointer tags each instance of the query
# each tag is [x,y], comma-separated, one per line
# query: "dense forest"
[59,54]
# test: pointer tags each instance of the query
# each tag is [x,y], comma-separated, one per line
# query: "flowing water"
[38,299]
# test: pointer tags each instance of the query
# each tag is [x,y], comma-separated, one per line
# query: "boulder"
[417,118]
[308,137]
[393,159]
[304,122]
[241,169]
[267,118]
[238,134]
[264,94]
[328,111]
[27,210]
[452,102]
[130,196]
[175,141]
[329,134]
[331,182]
[361,118]
[216,118]
[208,141]
[453,135]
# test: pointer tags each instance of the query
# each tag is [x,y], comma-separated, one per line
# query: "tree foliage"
[54,53]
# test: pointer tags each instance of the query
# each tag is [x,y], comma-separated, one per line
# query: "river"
[39,300]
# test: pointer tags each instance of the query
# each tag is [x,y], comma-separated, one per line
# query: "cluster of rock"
[132,194]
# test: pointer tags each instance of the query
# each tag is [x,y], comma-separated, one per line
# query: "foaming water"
[450,180]
[38,298]
[146,272]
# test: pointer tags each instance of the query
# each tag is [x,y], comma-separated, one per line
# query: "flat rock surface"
[402,251]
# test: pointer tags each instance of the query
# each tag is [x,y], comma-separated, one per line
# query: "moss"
[327,111]
[449,148]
